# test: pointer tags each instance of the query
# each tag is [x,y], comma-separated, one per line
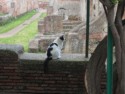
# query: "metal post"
[109,62]
[87,28]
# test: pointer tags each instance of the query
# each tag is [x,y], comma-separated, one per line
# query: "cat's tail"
[46,64]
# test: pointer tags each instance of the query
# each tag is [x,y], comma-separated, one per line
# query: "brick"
[3,77]
[15,77]
[44,85]
[49,82]
[10,67]
[62,82]
[34,88]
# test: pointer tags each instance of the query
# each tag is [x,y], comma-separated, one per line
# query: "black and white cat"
[54,51]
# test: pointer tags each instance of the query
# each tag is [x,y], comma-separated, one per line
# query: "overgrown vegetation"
[13,22]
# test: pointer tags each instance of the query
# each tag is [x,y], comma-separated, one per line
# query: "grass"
[11,23]
[24,36]
[43,15]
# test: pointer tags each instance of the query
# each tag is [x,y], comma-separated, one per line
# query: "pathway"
[20,27]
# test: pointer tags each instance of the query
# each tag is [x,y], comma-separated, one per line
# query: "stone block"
[41,21]
[44,42]
[34,46]
[17,48]
[49,10]
[41,28]
[53,24]
[73,44]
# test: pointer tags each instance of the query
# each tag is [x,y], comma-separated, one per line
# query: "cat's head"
[62,37]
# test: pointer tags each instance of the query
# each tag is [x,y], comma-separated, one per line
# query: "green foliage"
[24,36]
[43,15]
[13,22]
[115,1]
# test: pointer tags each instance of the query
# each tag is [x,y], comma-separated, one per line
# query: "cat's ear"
[62,37]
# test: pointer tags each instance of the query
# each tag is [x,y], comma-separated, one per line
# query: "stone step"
[68,26]
[33,46]
[66,30]
[71,22]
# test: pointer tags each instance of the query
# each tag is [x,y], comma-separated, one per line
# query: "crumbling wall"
[76,38]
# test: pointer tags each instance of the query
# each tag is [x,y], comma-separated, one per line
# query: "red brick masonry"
[21,76]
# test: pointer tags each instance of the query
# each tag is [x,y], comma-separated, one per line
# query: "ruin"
[63,17]
[13,7]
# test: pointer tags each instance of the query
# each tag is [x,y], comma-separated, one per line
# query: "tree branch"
[106,13]
[106,3]
[118,20]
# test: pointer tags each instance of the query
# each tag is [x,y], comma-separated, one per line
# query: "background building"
[75,8]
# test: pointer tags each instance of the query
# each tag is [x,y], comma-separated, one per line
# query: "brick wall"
[22,73]
[17,7]
[76,39]
[43,4]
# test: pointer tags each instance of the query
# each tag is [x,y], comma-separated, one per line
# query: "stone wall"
[75,32]
[65,7]
[50,25]
[3,6]
[50,10]
[77,36]
[22,73]
[53,24]
[77,8]
[43,4]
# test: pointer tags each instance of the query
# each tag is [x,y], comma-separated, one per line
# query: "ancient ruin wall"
[75,8]
[17,7]
[76,38]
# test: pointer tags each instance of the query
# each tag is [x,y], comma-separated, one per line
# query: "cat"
[54,51]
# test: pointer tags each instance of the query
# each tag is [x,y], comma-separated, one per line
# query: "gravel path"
[20,27]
